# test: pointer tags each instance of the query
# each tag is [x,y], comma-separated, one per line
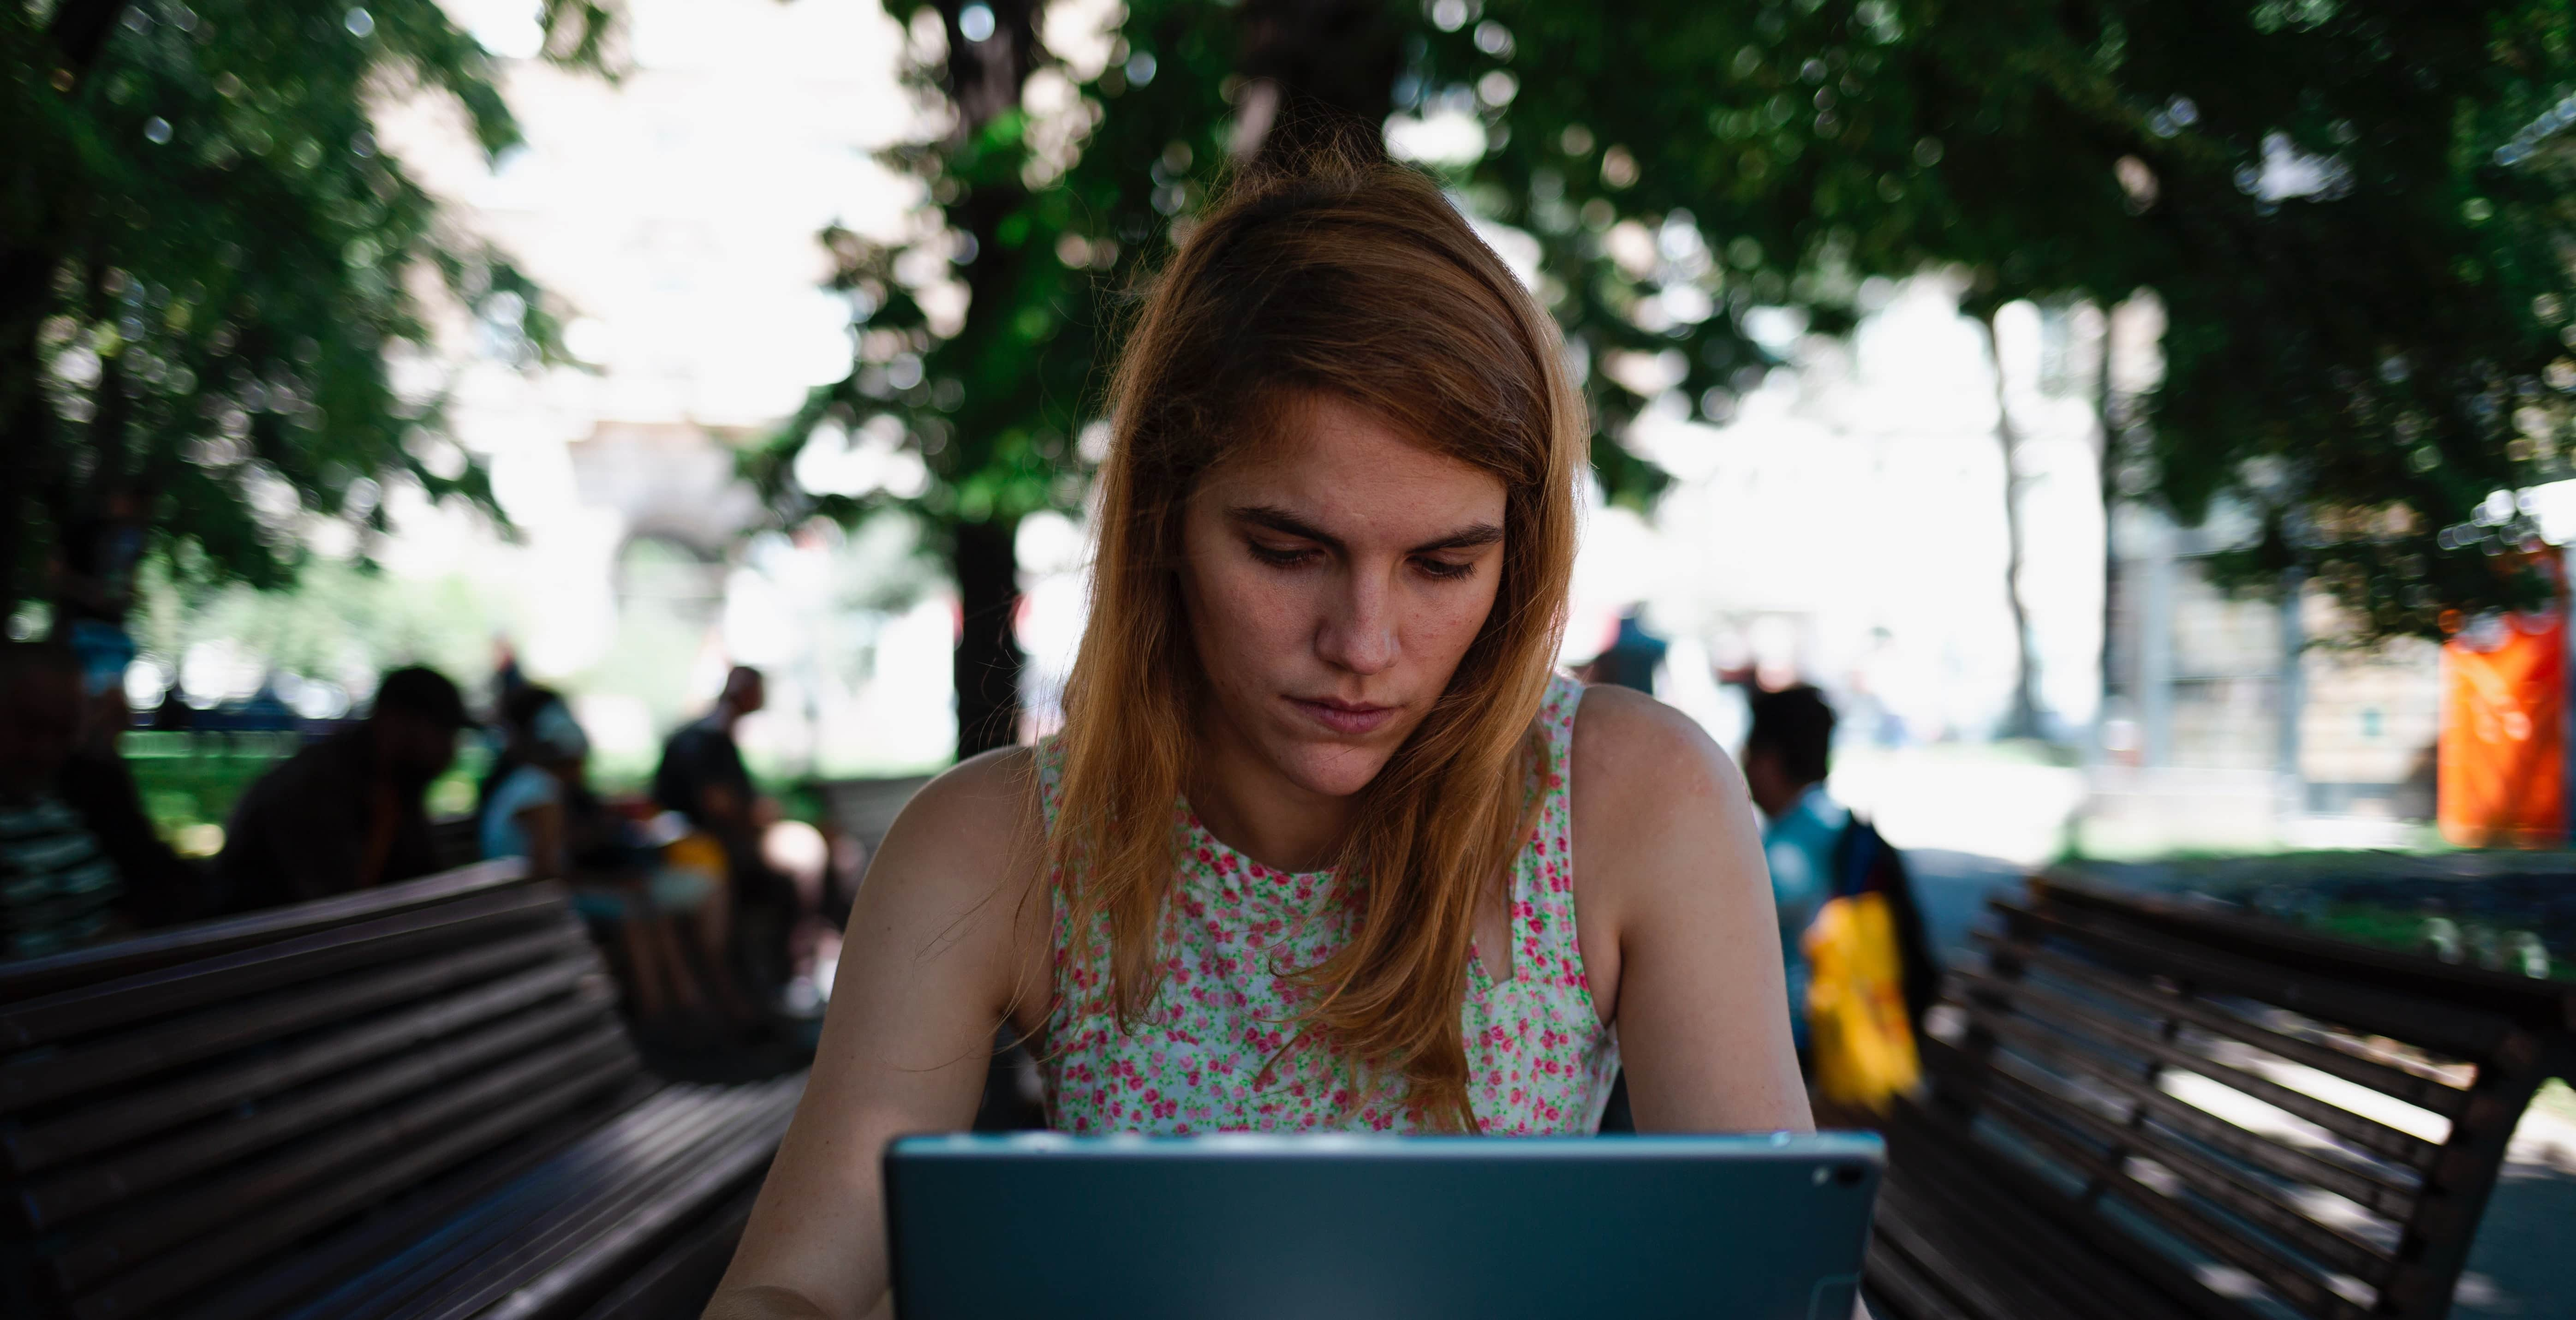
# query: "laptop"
[1349,1227]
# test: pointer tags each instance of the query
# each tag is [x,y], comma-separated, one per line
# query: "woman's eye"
[1443,569]
[1280,558]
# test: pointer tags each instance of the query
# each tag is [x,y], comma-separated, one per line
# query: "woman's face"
[1334,580]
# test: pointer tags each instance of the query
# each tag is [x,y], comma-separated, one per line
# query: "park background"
[676,311]
[2139,418]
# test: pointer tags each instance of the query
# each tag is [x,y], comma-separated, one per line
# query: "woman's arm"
[948,935]
[1673,909]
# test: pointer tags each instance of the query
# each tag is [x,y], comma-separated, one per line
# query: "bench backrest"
[457,840]
[169,1120]
[865,809]
[2241,1110]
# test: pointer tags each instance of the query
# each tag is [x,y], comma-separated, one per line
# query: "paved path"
[1951,888]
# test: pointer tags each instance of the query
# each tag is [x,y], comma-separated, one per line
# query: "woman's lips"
[1343,717]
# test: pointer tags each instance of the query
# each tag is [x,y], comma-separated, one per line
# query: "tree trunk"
[984,80]
[2107,413]
[30,460]
[2022,721]
[988,651]
[1317,73]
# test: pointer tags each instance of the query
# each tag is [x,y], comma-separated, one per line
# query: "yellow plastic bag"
[1860,1048]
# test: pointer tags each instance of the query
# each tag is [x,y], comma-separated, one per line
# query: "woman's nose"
[1360,634]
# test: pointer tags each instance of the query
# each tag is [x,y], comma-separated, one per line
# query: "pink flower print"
[1536,1052]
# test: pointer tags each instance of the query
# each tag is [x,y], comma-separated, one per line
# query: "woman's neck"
[1250,807]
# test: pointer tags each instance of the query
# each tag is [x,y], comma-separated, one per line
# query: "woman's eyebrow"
[1465,538]
[1288,524]
[1283,522]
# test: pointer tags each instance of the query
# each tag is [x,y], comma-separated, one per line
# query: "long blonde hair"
[1356,278]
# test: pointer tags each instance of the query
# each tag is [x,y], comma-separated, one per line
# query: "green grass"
[191,780]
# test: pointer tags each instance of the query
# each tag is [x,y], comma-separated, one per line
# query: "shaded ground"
[1951,889]
[2523,1263]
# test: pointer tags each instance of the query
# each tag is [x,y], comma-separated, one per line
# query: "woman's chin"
[1331,769]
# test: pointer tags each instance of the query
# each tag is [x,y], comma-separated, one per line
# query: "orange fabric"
[2503,758]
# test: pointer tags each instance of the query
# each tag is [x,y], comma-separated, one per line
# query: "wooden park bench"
[412,1101]
[2148,1109]
[864,809]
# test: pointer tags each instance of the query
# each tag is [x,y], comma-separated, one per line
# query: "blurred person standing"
[58,886]
[702,777]
[1816,848]
[351,811]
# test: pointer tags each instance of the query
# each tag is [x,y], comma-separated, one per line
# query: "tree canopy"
[2349,211]
[2352,213]
[207,265]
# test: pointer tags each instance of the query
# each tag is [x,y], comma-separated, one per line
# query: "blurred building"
[2236,723]
[674,214]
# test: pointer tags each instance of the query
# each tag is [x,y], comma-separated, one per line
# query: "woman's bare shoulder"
[1656,802]
[1634,755]
[975,823]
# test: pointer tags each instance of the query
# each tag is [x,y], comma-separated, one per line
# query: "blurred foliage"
[1048,205]
[208,265]
[340,624]
[2366,300]
[2354,215]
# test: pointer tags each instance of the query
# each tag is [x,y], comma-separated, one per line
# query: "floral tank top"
[1213,1052]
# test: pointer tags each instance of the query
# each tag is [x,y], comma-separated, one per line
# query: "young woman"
[1324,844]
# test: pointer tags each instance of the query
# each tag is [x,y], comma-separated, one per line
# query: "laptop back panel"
[1268,1228]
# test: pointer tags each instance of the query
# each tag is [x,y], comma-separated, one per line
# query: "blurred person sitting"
[351,811]
[540,806]
[161,887]
[1817,849]
[702,777]
[58,886]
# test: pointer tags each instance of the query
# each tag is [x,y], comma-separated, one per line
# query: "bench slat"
[2037,1230]
[200,1210]
[2090,1025]
[48,1204]
[1915,1226]
[2297,1286]
[2054,1151]
[2417,1090]
[31,978]
[2464,1033]
[667,1286]
[2230,1190]
[671,1119]
[2029,1267]
[36,1148]
[426,1086]
[1899,1287]
[137,1291]
[28,1083]
[408,1215]
[605,1253]
[577,1252]
[2540,1006]
[539,1205]
[479,918]
[2374,1189]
